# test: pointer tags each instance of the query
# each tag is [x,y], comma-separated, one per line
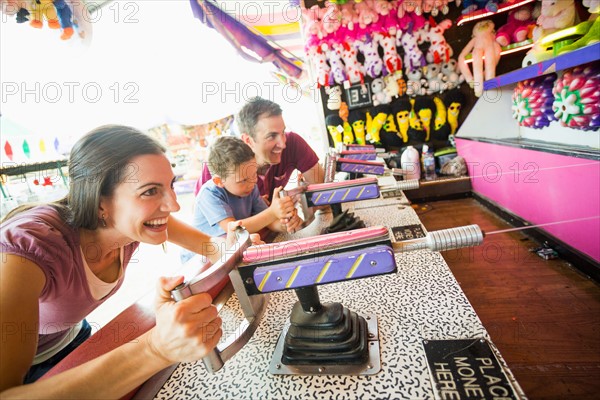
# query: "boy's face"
[242,181]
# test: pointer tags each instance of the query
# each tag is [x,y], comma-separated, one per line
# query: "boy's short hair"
[226,153]
[252,111]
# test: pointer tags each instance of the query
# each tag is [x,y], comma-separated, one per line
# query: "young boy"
[232,194]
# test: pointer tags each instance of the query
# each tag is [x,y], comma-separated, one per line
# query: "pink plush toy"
[517,26]
[483,45]
[366,15]
[312,21]
[332,19]
[349,17]
[388,21]
[409,6]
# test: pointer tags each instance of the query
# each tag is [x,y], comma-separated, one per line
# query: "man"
[277,153]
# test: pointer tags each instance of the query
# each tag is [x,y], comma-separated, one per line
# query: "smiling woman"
[62,260]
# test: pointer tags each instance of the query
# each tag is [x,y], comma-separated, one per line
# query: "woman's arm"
[20,287]
[184,331]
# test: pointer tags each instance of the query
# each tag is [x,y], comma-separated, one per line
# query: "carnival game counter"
[421,302]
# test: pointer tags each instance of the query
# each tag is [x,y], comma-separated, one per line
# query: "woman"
[62,260]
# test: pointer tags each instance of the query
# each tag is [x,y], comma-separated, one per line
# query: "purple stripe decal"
[363,169]
[361,156]
[343,195]
[361,263]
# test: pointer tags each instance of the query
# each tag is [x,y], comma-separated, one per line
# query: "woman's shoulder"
[41,226]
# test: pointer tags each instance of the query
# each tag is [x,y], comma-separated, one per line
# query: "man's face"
[269,140]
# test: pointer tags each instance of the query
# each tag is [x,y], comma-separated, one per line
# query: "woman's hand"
[187,330]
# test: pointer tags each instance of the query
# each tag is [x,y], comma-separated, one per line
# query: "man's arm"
[315,174]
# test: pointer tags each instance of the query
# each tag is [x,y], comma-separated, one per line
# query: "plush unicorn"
[373,64]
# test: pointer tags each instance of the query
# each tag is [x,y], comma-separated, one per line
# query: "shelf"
[542,146]
[568,60]
[480,14]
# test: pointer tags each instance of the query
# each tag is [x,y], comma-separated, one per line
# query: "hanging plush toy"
[338,70]
[378,118]
[373,65]
[391,59]
[378,93]
[416,133]
[440,114]
[454,101]
[485,53]
[65,17]
[452,76]
[415,83]
[435,79]
[41,9]
[20,8]
[439,50]
[390,137]
[387,23]
[424,108]
[392,87]
[366,15]
[357,119]
[413,56]
[335,128]
[474,5]
[401,111]
[354,70]
[348,16]
[319,62]
[348,135]
[441,129]
[335,97]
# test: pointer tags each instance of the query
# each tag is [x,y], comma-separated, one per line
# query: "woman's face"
[141,204]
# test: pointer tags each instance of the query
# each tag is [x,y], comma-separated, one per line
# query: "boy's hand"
[292,224]
[282,207]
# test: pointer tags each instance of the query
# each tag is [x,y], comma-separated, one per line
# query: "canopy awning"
[259,33]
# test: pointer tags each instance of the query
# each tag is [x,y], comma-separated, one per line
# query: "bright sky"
[149,62]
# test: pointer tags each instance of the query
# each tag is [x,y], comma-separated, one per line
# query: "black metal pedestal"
[326,338]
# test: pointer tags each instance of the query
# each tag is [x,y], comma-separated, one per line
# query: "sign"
[391,193]
[407,232]
[466,369]
[358,96]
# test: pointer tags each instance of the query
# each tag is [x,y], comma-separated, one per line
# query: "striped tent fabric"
[276,21]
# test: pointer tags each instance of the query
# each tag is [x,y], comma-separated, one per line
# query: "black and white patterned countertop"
[421,301]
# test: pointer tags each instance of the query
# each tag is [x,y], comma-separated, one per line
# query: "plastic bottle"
[410,163]
[428,164]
